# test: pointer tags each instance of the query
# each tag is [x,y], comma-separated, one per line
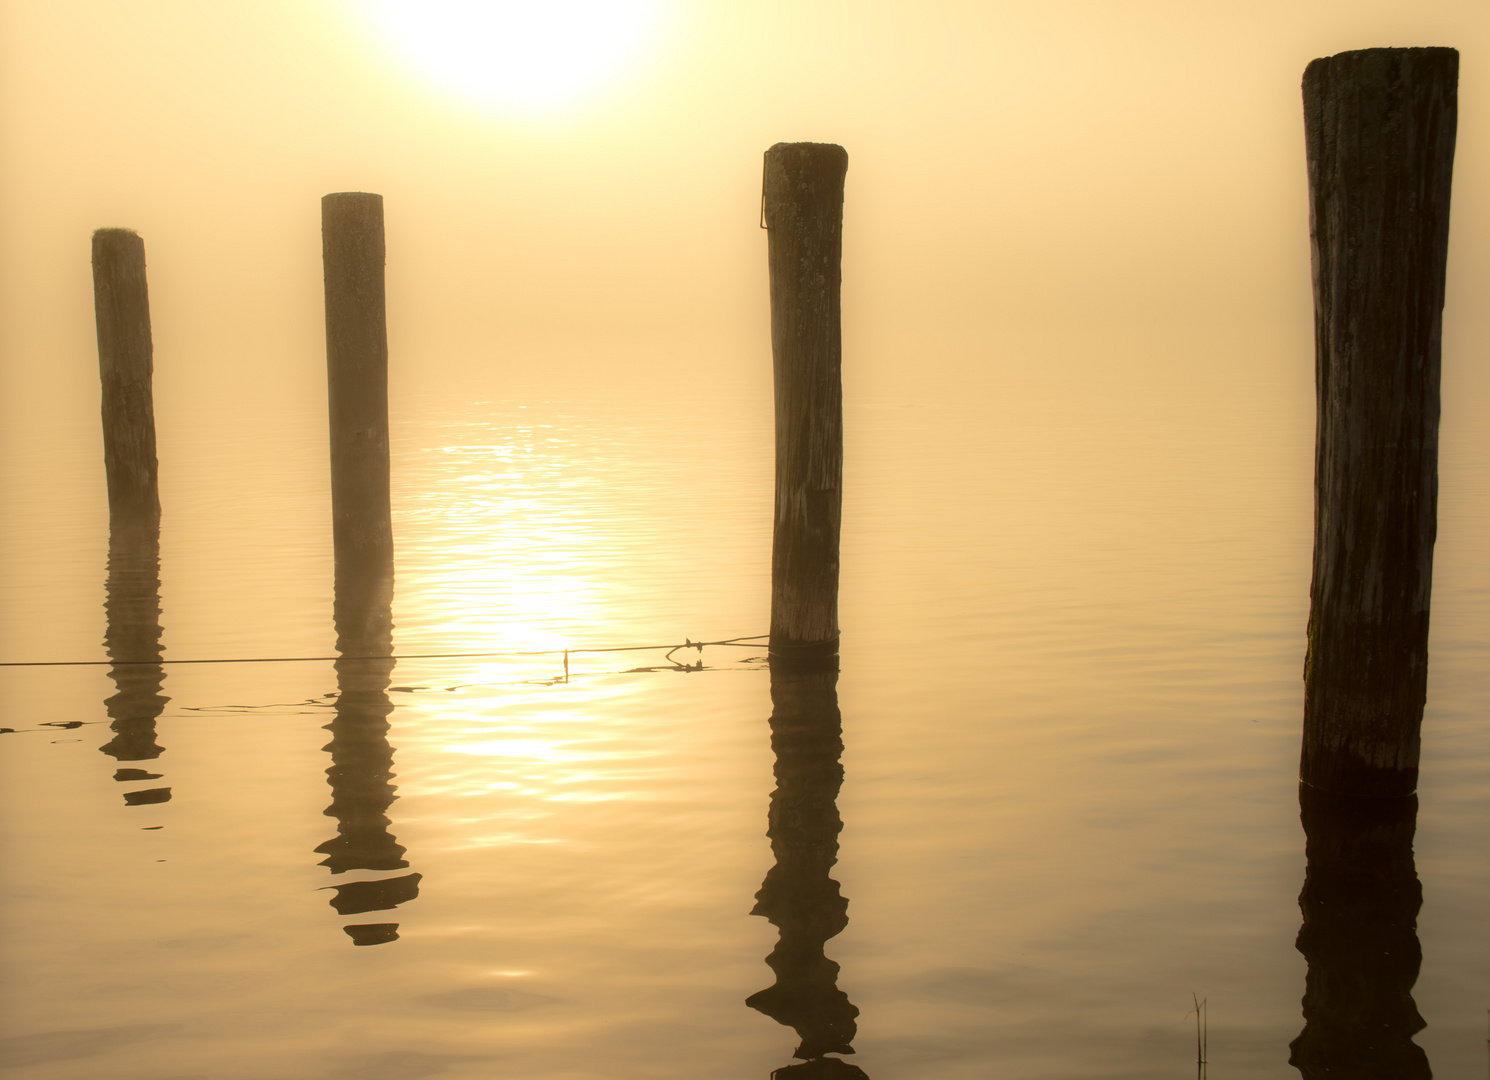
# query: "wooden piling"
[121,311]
[1379,127]
[352,250]
[802,203]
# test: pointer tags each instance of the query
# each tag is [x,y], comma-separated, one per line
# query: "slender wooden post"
[803,209]
[357,390]
[1379,127]
[121,310]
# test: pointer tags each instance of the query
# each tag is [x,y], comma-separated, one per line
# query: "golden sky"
[1030,184]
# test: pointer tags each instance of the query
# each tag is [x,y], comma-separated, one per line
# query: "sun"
[524,55]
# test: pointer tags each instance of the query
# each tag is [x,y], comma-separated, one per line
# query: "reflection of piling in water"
[132,607]
[1360,903]
[361,772]
[798,896]
[802,202]
[362,790]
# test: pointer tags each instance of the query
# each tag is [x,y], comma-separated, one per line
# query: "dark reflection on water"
[1360,905]
[361,772]
[798,896]
[132,639]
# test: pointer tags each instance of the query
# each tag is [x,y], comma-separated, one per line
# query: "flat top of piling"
[812,149]
[1386,49]
[827,159]
[121,247]
[1388,70]
[1441,56]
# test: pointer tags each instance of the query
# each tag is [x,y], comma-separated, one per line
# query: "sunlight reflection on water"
[1070,704]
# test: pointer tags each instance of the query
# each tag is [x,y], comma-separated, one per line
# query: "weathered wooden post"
[121,311]
[803,208]
[1379,126]
[357,389]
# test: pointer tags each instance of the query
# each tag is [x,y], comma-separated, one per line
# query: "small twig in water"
[1202,1035]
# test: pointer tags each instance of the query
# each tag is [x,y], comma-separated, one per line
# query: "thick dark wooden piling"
[1379,127]
[803,208]
[357,388]
[121,310]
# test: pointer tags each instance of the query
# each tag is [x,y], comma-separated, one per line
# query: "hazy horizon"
[1025,182]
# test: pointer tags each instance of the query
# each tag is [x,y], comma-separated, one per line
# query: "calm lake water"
[1070,693]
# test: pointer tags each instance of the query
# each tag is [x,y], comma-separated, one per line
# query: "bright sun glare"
[531,55]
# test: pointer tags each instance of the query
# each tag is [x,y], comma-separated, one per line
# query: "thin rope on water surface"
[329,701]
[740,642]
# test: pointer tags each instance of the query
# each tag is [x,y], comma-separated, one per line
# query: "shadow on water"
[132,639]
[798,896]
[1360,904]
[361,772]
